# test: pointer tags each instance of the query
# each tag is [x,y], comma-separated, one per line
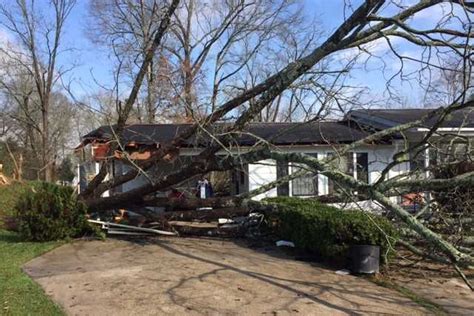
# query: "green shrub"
[9,196]
[49,212]
[328,231]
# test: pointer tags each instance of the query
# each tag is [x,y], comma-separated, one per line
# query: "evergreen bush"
[328,231]
[50,212]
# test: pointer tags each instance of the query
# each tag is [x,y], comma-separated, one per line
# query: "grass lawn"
[20,295]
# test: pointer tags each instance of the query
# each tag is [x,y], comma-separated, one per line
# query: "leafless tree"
[208,45]
[37,43]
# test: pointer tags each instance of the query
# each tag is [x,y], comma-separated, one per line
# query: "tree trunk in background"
[47,172]
[150,100]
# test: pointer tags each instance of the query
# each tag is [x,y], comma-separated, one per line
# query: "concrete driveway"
[201,277]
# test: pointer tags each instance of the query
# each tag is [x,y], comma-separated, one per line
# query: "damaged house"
[319,139]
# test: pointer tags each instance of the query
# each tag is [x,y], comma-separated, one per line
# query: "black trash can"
[364,259]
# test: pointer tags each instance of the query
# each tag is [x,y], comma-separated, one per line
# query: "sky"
[94,64]
[97,62]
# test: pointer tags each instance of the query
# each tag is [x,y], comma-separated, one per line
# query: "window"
[455,152]
[242,177]
[282,171]
[331,186]
[306,185]
[353,164]
[345,164]
[236,182]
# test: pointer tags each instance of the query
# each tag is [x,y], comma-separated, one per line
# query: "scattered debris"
[204,209]
[234,226]
[285,243]
[343,272]
[113,228]
[126,232]
[223,221]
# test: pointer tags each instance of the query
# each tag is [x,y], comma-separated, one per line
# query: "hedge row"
[328,231]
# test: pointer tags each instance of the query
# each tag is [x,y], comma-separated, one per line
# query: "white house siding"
[262,173]
[379,156]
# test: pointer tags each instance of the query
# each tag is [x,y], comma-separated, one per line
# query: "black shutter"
[362,167]
[282,171]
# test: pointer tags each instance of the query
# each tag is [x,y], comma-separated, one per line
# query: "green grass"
[20,295]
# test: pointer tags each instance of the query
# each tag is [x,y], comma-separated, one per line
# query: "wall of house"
[260,174]
[257,174]
[379,157]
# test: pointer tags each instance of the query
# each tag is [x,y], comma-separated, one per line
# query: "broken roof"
[323,132]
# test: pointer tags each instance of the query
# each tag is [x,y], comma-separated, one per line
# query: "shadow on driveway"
[201,277]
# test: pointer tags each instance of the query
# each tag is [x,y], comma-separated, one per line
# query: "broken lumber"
[107,225]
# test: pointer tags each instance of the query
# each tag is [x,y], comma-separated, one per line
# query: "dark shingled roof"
[276,133]
[322,132]
[383,118]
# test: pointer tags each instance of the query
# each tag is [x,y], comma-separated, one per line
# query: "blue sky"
[95,60]
[94,64]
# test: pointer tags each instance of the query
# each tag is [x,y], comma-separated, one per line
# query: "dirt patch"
[201,277]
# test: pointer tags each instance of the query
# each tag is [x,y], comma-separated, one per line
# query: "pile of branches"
[451,213]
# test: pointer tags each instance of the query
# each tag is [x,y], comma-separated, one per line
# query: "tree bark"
[204,215]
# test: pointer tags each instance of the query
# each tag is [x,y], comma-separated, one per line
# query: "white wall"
[378,156]
[262,173]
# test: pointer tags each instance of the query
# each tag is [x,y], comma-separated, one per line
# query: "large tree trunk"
[203,215]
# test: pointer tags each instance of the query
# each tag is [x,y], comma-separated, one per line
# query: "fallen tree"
[363,25]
